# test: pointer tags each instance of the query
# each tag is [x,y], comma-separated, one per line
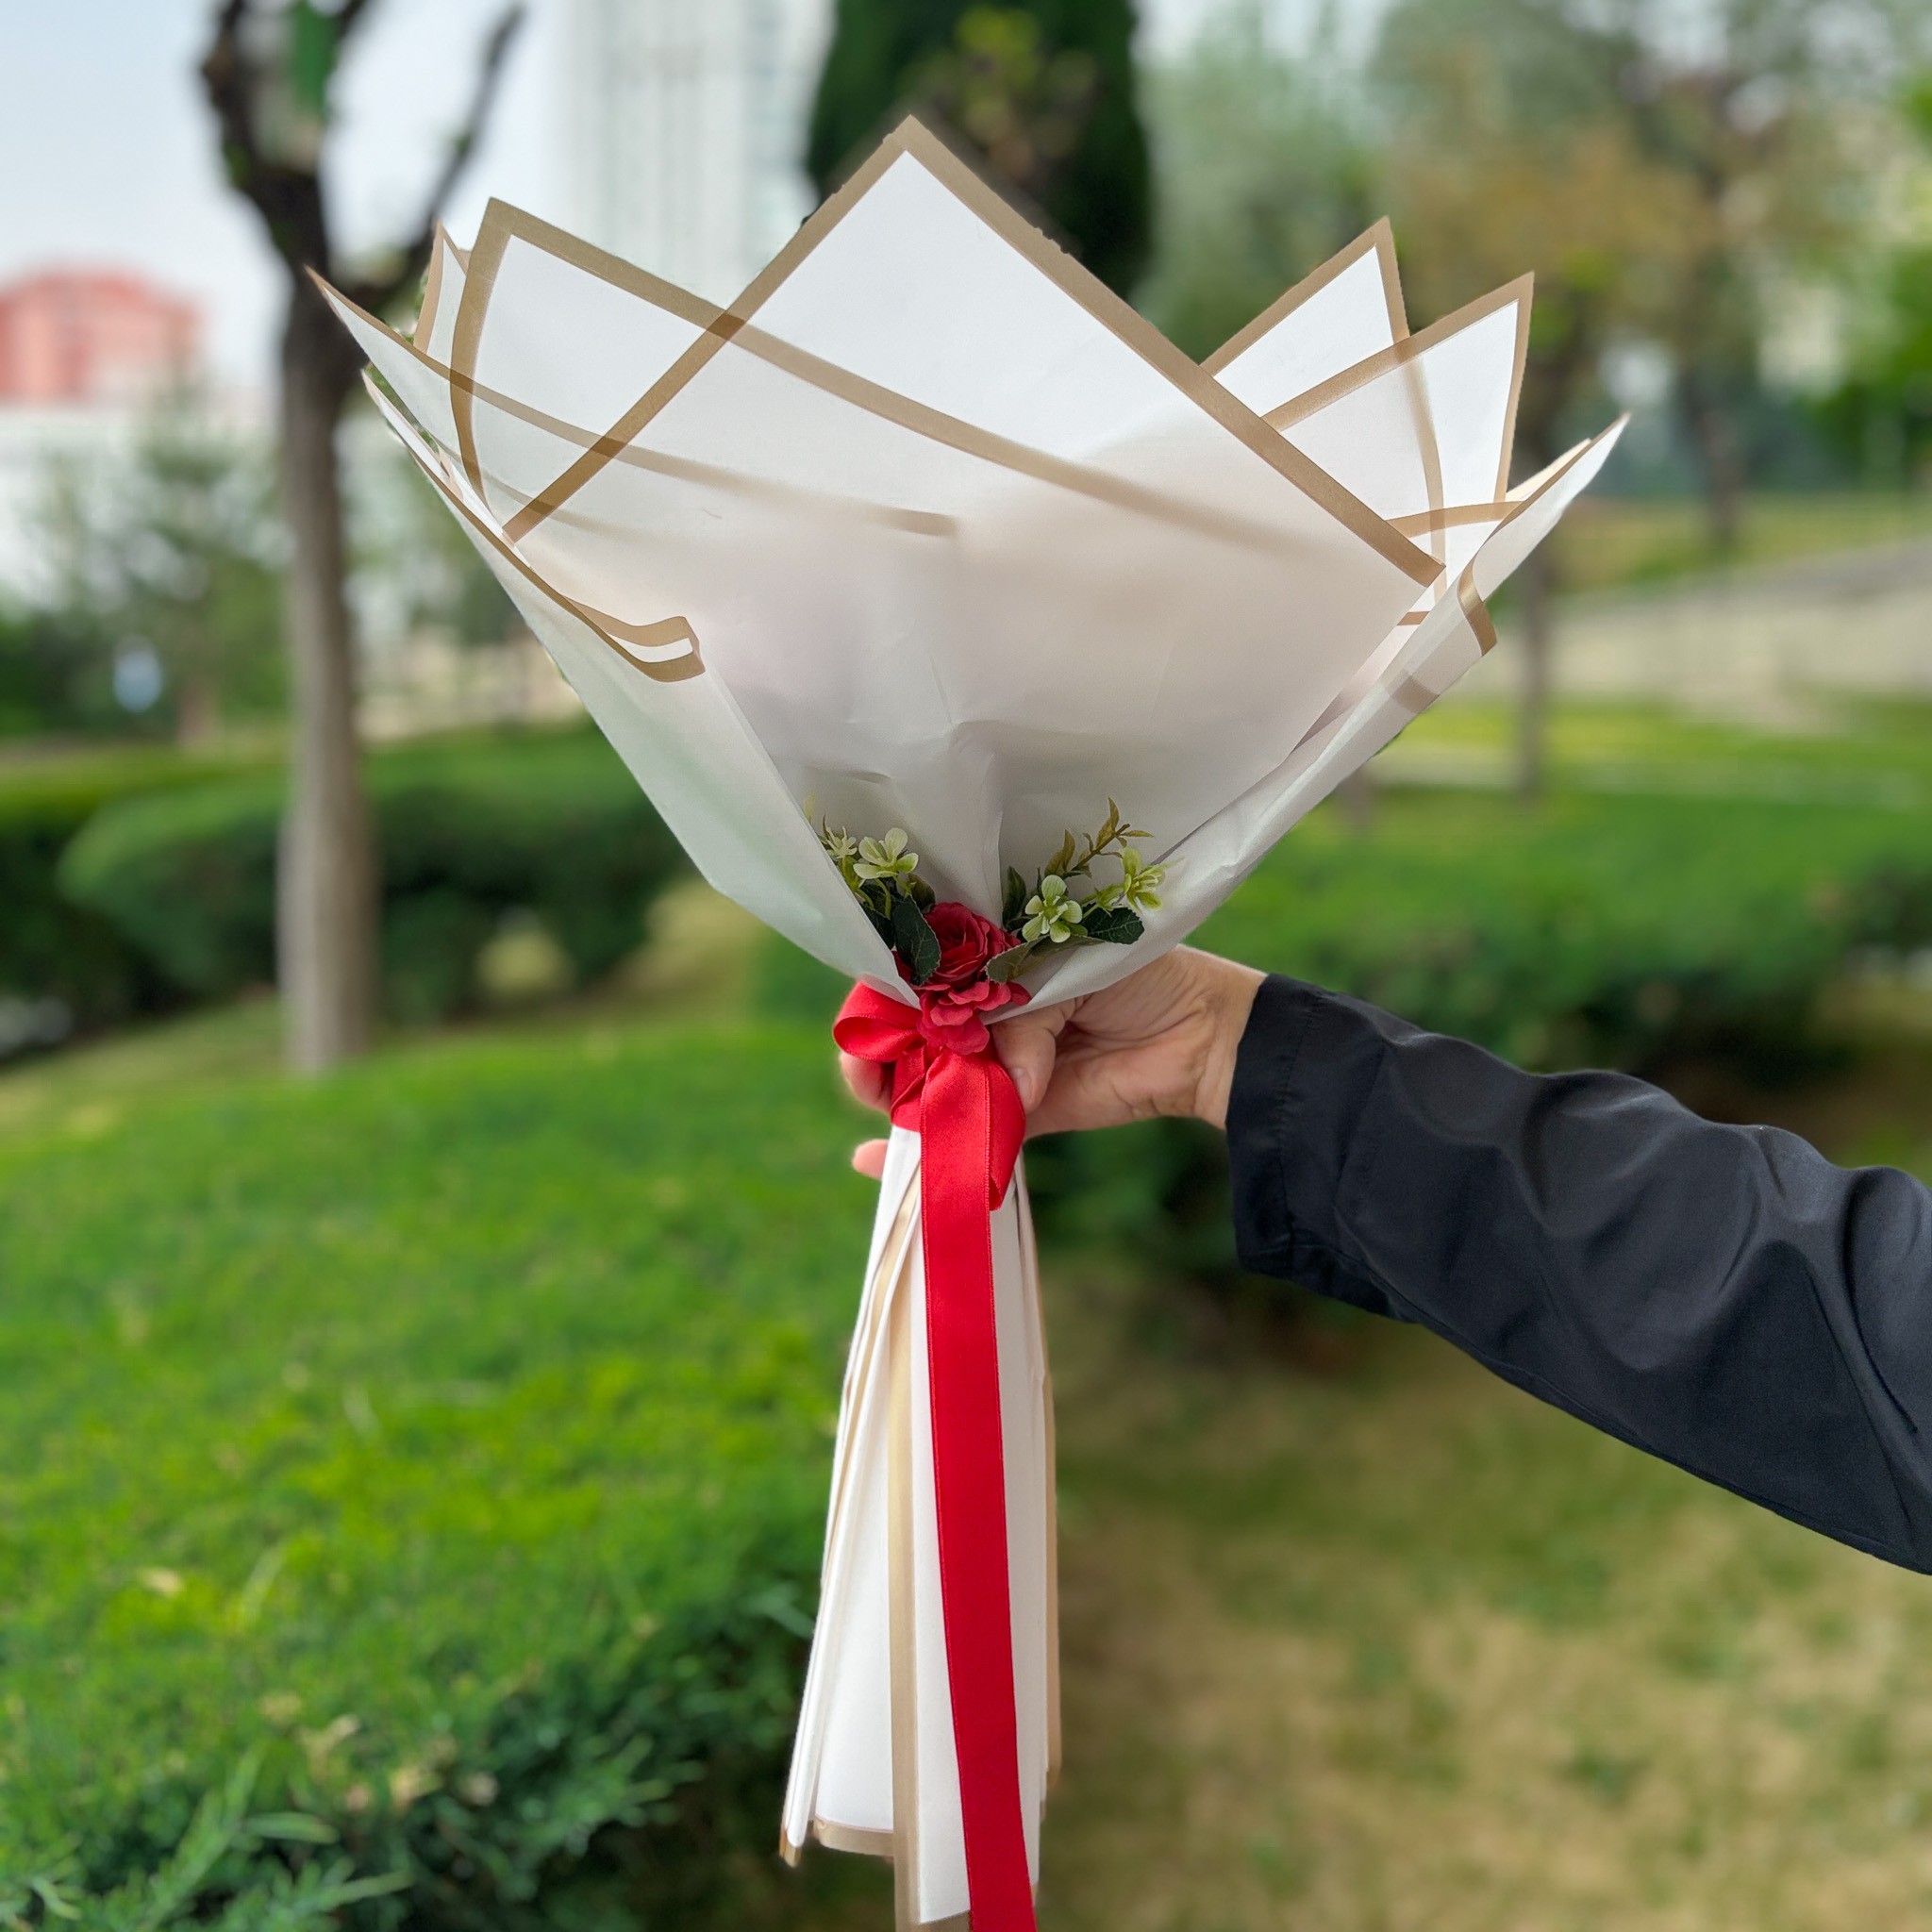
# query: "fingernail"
[1027,1082]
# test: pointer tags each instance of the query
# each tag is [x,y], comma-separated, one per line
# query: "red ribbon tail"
[971,1124]
[960,1134]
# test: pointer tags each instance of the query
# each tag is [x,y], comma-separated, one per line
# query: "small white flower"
[887,858]
[1139,885]
[1053,912]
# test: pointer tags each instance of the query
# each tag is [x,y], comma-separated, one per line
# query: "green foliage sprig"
[1064,904]
[290,1896]
[883,876]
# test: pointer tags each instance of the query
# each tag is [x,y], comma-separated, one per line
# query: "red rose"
[951,1017]
[953,1000]
[966,941]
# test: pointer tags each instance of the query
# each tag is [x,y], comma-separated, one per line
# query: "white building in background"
[685,121]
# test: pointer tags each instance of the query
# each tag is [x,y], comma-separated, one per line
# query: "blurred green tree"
[1762,116]
[1669,173]
[1510,146]
[1880,415]
[1044,93]
[167,564]
[53,676]
[1267,167]
[1747,121]
[268,75]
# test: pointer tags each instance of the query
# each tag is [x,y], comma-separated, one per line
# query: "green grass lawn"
[1394,1647]
[454,1435]
[1620,920]
[1859,752]
[454,1432]
[342,1418]
[1608,542]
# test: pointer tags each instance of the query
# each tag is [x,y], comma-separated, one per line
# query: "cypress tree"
[1043,92]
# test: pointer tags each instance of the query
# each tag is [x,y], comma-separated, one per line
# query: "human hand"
[1160,1041]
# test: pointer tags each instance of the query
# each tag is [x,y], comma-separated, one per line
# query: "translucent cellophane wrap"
[927,529]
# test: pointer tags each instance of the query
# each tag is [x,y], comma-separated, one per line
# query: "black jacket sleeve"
[1723,1297]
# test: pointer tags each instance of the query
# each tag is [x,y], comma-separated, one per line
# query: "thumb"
[1027,1044]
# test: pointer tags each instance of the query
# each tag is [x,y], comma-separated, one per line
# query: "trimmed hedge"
[1598,930]
[64,967]
[449,1440]
[471,833]
[1618,931]
[1601,930]
[1609,930]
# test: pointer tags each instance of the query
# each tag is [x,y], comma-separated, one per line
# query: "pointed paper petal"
[687,747]
[1429,423]
[903,562]
[442,291]
[1414,667]
[420,385]
[1348,308]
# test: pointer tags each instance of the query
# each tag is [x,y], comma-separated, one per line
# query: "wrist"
[1228,990]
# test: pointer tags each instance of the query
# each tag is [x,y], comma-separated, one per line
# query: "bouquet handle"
[877,1763]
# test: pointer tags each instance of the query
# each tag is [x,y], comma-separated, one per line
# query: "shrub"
[1619,931]
[64,966]
[1609,930]
[449,1441]
[472,833]
[1606,930]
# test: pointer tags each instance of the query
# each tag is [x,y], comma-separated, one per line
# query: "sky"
[107,144]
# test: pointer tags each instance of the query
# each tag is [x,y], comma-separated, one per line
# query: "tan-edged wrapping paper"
[928,529]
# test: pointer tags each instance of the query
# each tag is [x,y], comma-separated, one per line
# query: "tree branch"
[225,79]
[376,292]
[288,198]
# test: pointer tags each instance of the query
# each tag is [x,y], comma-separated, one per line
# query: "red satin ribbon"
[970,1123]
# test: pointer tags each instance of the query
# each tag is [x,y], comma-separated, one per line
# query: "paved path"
[1755,642]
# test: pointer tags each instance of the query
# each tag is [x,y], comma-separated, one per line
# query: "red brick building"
[103,337]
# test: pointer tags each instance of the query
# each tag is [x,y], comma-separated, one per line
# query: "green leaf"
[777,1604]
[314,42]
[915,941]
[48,1892]
[876,904]
[1003,966]
[1014,909]
[297,1826]
[1116,926]
[920,893]
[1062,860]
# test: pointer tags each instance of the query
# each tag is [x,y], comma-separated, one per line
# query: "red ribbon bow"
[970,1123]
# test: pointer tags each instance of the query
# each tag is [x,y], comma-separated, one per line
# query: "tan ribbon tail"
[904,1672]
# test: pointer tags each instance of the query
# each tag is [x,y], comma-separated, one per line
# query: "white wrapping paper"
[927,529]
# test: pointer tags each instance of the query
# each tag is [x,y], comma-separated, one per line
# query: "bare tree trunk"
[326,898]
[199,711]
[1538,582]
[1716,442]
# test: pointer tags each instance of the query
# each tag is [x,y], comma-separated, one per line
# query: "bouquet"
[886,581]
